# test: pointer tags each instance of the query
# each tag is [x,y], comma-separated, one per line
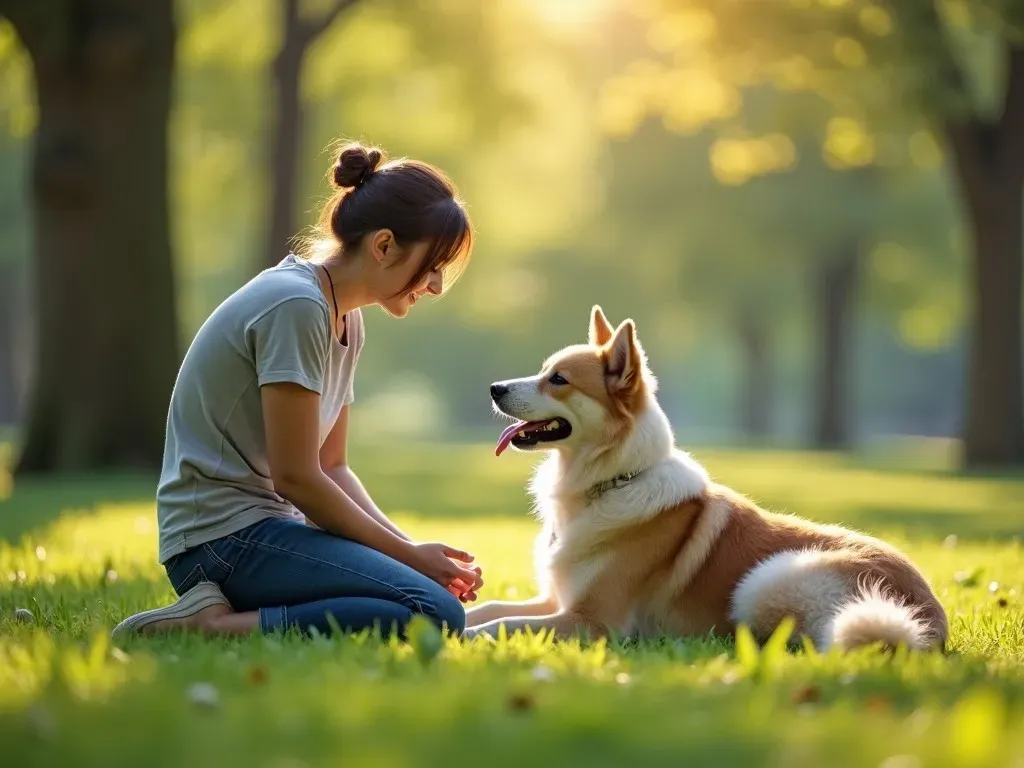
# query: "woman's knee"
[449,612]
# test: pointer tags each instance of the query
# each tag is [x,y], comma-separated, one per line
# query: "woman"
[262,524]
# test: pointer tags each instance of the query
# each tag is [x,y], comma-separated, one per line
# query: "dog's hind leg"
[800,584]
[837,600]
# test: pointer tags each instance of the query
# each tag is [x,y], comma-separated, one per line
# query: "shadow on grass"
[452,481]
[922,524]
[38,501]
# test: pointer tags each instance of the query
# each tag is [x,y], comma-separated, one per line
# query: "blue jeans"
[297,576]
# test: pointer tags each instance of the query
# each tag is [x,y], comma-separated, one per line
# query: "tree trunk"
[836,294]
[8,342]
[288,120]
[993,432]
[989,163]
[25,335]
[106,353]
[757,396]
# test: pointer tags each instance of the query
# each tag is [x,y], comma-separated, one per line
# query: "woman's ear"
[382,246]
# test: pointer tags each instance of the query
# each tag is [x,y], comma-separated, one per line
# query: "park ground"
[79,553]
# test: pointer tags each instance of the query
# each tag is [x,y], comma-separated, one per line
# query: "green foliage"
[879,68]
[82,555]
[17,120]
[425,638]
[17,105]
[591,144]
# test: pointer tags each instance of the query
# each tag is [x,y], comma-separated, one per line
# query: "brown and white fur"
[670,552]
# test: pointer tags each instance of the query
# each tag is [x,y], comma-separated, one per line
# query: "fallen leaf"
[521,702]
[878,705]
[256,675]
[806,694]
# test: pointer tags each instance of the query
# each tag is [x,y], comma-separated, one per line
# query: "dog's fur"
[669,552]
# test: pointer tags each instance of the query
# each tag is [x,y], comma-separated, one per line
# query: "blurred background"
[811,208]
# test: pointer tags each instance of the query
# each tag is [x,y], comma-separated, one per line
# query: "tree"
[16,120]
[13,235]
[9,395]
[674,226]
[828,220]
[746,224]
[107,348]
[299,31]
[883,64]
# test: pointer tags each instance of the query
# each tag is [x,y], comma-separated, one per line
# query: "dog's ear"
[624,358]
[600,329]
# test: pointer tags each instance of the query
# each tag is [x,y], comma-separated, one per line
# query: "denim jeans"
[296,575]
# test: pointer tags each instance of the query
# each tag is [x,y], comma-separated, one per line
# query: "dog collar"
[604,486]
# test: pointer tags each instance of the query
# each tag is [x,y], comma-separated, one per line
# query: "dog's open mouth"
[526,433]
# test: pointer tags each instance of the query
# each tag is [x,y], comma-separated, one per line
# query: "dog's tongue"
[510,432]
[506,436]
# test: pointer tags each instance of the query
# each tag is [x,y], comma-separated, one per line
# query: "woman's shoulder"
[283,290]
[280,284]
[290,275]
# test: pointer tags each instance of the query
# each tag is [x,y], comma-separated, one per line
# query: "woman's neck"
[351,290]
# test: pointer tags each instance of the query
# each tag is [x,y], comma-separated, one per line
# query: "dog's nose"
[497,390]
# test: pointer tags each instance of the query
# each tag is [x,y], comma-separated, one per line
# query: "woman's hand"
[463,591]
[438,562]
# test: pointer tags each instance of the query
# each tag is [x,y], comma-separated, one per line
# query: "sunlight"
[736,161]
[115,545]
[102,546]
[570,14]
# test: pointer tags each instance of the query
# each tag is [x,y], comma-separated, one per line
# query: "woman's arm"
[291,418]
[334,461]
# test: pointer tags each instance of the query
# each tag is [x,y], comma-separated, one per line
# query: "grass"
[80,555]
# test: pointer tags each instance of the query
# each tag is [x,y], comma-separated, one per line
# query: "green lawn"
[80,554]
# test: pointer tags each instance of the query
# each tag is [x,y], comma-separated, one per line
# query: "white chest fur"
[573,573]
[576,548]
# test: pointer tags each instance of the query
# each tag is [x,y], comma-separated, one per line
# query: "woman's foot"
[196,609]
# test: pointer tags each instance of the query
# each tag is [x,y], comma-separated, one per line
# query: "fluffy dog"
[639,541]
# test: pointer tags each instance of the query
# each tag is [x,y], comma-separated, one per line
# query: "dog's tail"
[813,586]
[873,616]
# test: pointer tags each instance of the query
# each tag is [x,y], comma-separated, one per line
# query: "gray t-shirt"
[275,328]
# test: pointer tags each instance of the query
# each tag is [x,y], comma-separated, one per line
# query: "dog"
[637,540]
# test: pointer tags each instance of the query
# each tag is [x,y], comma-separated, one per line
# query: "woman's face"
[396,267]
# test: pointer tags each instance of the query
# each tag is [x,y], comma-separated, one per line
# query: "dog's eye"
[558,379]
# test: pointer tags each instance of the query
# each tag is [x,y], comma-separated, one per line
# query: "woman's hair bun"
[355,164]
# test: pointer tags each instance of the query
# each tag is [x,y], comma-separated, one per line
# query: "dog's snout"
[498,390]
